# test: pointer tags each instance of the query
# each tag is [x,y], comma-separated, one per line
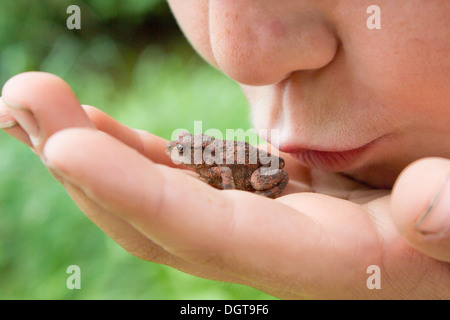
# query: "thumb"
[421,206]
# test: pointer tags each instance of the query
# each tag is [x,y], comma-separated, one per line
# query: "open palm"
[315,241]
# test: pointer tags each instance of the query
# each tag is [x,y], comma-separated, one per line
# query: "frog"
[230,164]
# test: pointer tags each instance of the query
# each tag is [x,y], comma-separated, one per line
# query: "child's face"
[315,71]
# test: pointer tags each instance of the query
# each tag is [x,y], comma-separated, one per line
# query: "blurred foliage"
[130,60]
[34,36]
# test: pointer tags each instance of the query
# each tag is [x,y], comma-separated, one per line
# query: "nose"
[261,42]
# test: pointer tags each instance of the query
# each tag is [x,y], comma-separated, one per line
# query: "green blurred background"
[130,60]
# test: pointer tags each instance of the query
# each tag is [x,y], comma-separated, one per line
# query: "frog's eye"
[180,148]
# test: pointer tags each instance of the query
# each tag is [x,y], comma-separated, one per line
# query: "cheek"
[406,74]
[406,62]
[193,18]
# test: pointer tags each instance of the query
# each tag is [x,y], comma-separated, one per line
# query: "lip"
[335,161]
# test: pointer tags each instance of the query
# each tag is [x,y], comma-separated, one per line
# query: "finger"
[114,226]
[6,118]
[42,104]
[136,187]
[9,124]
[132,240]
[149,145]
[421,206]
[239,233]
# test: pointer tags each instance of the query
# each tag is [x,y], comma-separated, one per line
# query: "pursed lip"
[335,161]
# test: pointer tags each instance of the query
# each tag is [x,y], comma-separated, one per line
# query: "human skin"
[318,239]
[316,72]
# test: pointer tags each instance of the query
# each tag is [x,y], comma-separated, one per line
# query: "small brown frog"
[227,164]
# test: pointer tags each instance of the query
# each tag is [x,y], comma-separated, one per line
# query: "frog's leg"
[269,182]
[224,172]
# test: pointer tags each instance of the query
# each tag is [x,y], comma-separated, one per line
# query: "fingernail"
[24,117]
[436,217]
[7,121]
[8,124]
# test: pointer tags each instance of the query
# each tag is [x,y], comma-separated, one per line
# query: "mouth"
[333,161]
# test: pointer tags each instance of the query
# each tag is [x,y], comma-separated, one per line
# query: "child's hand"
[301,245]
